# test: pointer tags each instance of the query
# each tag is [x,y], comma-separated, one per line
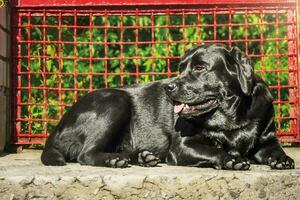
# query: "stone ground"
[22,176]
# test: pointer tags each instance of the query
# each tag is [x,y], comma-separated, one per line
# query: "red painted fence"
[64,49]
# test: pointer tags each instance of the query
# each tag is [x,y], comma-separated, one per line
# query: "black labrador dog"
[216,113]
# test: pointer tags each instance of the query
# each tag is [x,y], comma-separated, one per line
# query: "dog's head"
[209,75]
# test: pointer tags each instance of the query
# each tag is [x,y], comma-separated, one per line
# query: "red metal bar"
[136,46]
[246,31]
[121,49]
[293,77]
[29,75]
[45,116]
[75,57]
[160,26]
[262,42]
[152,46]
[215,25]
[298,74]
[89,3]
[230,29]
[160,42]
[168,43]
[278,70]
[91,53]
[160,12]
[198,27]
[60,112]
[105,47]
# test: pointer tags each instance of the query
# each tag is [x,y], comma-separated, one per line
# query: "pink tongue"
[178,108]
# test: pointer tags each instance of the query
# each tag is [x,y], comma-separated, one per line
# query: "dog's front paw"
[117,162]
[281,162]
[236,163]
[147,159]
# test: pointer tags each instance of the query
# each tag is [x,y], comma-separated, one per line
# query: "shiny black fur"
[137,124]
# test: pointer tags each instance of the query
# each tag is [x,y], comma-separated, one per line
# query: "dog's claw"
[229,164]
[232,163]
[147,159]
[117,162]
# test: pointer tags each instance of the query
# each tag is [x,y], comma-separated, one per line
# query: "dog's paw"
[236,163]
[281,162]
[117,162]
[147,159]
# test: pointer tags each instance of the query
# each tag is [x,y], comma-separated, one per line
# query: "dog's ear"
[243,69]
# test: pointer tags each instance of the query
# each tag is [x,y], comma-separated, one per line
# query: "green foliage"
[146,58]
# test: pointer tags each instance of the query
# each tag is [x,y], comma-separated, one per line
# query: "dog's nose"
[171,87]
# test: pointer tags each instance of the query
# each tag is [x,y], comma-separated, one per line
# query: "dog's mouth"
[202,107]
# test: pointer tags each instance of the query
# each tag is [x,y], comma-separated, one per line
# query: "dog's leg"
[51,155]
[191,153]
[105,132]
[100,148]
[270,153]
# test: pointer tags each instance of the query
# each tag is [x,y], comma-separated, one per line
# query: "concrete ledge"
[22,176]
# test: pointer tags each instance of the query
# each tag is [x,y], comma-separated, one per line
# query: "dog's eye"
[198,68]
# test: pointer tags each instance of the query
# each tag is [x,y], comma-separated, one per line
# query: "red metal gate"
[63,50]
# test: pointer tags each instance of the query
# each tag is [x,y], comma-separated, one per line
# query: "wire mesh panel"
[62,54]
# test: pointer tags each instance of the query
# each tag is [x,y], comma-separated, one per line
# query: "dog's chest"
[237,141]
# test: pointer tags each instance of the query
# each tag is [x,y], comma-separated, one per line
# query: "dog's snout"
[171,87]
